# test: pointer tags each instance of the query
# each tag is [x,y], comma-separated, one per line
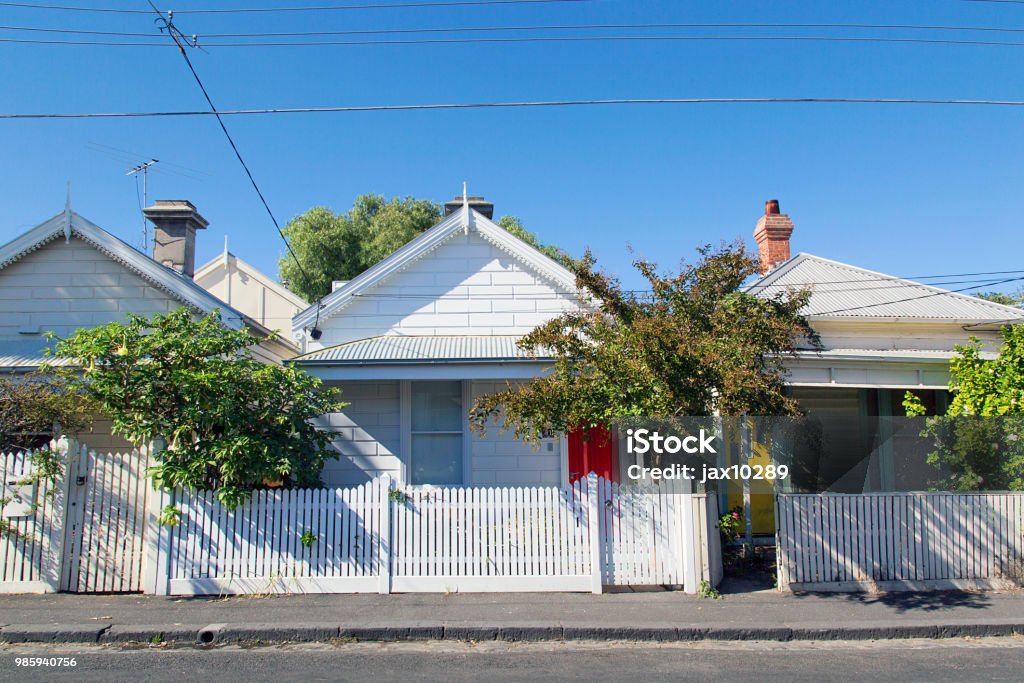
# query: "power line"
[541,39]
[536,27]
[174,34]
[322,8]
[923,296]
[513,105]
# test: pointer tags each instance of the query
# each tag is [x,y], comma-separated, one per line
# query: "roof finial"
[225,257]
[67,216]
[465,205]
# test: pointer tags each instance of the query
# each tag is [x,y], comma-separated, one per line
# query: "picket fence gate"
[84,534]
[381,538]
[894,541]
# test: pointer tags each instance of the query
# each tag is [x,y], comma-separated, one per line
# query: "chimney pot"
[175,222]
[772,233]
[478,204]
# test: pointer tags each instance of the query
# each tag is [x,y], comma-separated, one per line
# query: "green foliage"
[730,523]
[32,404]
[170,516]
[514,227]
[340,246]
[1016,299]
[231,422]
[705,591]
[308,538]
[980,441]
[696,344]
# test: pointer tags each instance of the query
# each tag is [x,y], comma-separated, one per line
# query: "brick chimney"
[175,222]
[478,204]
[772,235]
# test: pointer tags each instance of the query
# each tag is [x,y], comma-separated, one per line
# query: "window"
[437,415]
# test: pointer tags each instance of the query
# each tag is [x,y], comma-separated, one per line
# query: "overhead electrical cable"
[540,39]
[320,8]
[176,37]
[513,105]
[536,27]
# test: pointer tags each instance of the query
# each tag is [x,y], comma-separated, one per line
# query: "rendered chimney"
[772,235]
[478,204]
[175,222]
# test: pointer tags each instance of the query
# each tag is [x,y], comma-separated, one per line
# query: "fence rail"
[846,542]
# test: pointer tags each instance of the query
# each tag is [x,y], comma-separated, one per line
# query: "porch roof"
[422,350]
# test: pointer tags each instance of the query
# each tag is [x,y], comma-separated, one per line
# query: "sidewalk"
[660,615]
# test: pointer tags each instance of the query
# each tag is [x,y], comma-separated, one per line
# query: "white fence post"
[53,559]
[687,535]
[384,536]
[594,527]
[157,539]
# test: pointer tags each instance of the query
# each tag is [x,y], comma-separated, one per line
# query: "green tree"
[515,227]
[980,440]
[31,405]
[694,344]
[1016,299]
[339,246]
[231,423]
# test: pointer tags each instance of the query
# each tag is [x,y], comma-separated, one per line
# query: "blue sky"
[907,190]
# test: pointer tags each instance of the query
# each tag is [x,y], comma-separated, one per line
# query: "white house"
[68,273]
[414,339]
[253,293]
[881,336]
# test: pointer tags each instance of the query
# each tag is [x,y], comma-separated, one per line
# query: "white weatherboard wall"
[466,286]
[369,434]
[65,286]
[499,458]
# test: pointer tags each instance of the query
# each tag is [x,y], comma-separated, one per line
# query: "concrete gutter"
[271,633]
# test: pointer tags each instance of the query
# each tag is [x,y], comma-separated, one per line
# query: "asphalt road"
[986,659]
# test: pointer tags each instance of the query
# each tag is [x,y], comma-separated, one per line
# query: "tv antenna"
[144,170]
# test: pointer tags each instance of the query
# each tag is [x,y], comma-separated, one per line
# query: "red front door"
[592,450]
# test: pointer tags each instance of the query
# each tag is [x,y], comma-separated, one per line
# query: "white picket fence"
[30,552]
[379,537]
[893,541]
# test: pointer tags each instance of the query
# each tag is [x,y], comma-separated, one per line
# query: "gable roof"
[220,261]
[464,220]
[178,287]
[843,292]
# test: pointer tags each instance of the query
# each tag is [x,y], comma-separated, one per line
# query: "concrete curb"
[51,633]
[269,633]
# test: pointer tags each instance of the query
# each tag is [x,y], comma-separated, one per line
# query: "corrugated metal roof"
[844,291]
[895,355]
[426,349]
[26,354]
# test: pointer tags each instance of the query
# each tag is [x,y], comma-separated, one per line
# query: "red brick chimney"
[772,235]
